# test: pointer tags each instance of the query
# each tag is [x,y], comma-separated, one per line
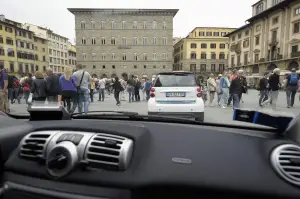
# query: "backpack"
[293,79]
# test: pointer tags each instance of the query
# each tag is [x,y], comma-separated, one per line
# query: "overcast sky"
[53,14]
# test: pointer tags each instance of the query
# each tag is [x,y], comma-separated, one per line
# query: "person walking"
[82,79]
[68,87]
[236,89]
[53,87]
[117,89]
[39,88]
[4,102]
[224,86]
[211,87]
[101,89]
[218,89]
[274,85]
[291,88]
[263,89]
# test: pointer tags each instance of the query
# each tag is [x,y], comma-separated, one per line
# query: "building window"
[123,25]
[123,41]
[144,41]
[208,34]
[232,60]
[145,57]
[102,25]
[256,58]
[246,32]
[245,58]
[203,55]
[193,55]
[258,27]
[83,41]
[216,34]
[223,34]
[221,67]
[82,25]
[94,66]
[154,56]
[259,8]
[9,41]
[135,57]
[193,45]
[103,41]
[164,41]
[164,56]
[113,67]
[113,41]
[257,40]
[246,43]
[93,56]
[124,57]
[112,23]
[213,67]
[144,24]
[103,66]
[203,67]
[135,41]
[164,25]
[213,46]
[276,2]
[135,66]
[154,41]
[201,34]
[222,55]
[11,67]
[113,56]
[93,24]
[135,25]
[295,49]
[203,46]
[84,56]
[296,27]
[10,52]
[222,46]
[233,38]
[93,41]
[213,55]
[275,20]
[154,24]
[103,56]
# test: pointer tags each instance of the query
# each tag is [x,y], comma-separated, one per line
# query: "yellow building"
[72,55]
[41,51]
[203,51]
[21,51]
[8,55]
[270,39]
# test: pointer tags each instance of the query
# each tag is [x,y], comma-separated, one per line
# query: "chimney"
[2,17]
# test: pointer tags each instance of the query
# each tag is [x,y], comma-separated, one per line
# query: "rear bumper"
[197,115]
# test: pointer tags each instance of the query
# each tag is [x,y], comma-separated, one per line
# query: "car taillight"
[199,92]
[152,95]
[152,89]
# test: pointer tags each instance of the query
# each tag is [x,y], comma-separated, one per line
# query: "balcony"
[295,54]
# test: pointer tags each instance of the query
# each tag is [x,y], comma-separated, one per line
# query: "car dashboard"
[132,159]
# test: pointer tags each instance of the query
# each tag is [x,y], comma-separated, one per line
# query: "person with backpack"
[291,88]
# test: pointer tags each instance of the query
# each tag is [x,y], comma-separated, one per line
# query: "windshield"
[175,80]
[150,60]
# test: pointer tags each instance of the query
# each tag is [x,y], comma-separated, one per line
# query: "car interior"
[50,154]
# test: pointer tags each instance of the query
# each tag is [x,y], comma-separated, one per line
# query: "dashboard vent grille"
[33,145]
[285,160]
[109,151]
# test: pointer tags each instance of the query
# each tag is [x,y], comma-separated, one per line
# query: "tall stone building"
[124,42]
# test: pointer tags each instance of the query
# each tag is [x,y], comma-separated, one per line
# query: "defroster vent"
[285,160]
[34,144]
[109,151]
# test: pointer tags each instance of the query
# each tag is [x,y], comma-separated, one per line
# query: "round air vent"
[285,159]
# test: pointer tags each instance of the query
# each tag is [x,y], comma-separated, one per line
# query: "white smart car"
[176,94]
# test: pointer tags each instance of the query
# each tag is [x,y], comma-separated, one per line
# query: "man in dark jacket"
[53,87]
[237,88]
[263,88]
[274,85]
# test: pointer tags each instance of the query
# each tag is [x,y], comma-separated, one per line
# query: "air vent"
[285,160]
[109,152]
[33,145]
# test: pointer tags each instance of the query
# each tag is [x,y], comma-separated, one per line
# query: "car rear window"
[175,80]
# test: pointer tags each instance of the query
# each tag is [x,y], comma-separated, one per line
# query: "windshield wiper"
[103,113]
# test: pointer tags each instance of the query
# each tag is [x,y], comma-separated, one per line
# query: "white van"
[176,94]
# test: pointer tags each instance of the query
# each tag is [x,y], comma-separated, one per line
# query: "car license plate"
[175,94]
